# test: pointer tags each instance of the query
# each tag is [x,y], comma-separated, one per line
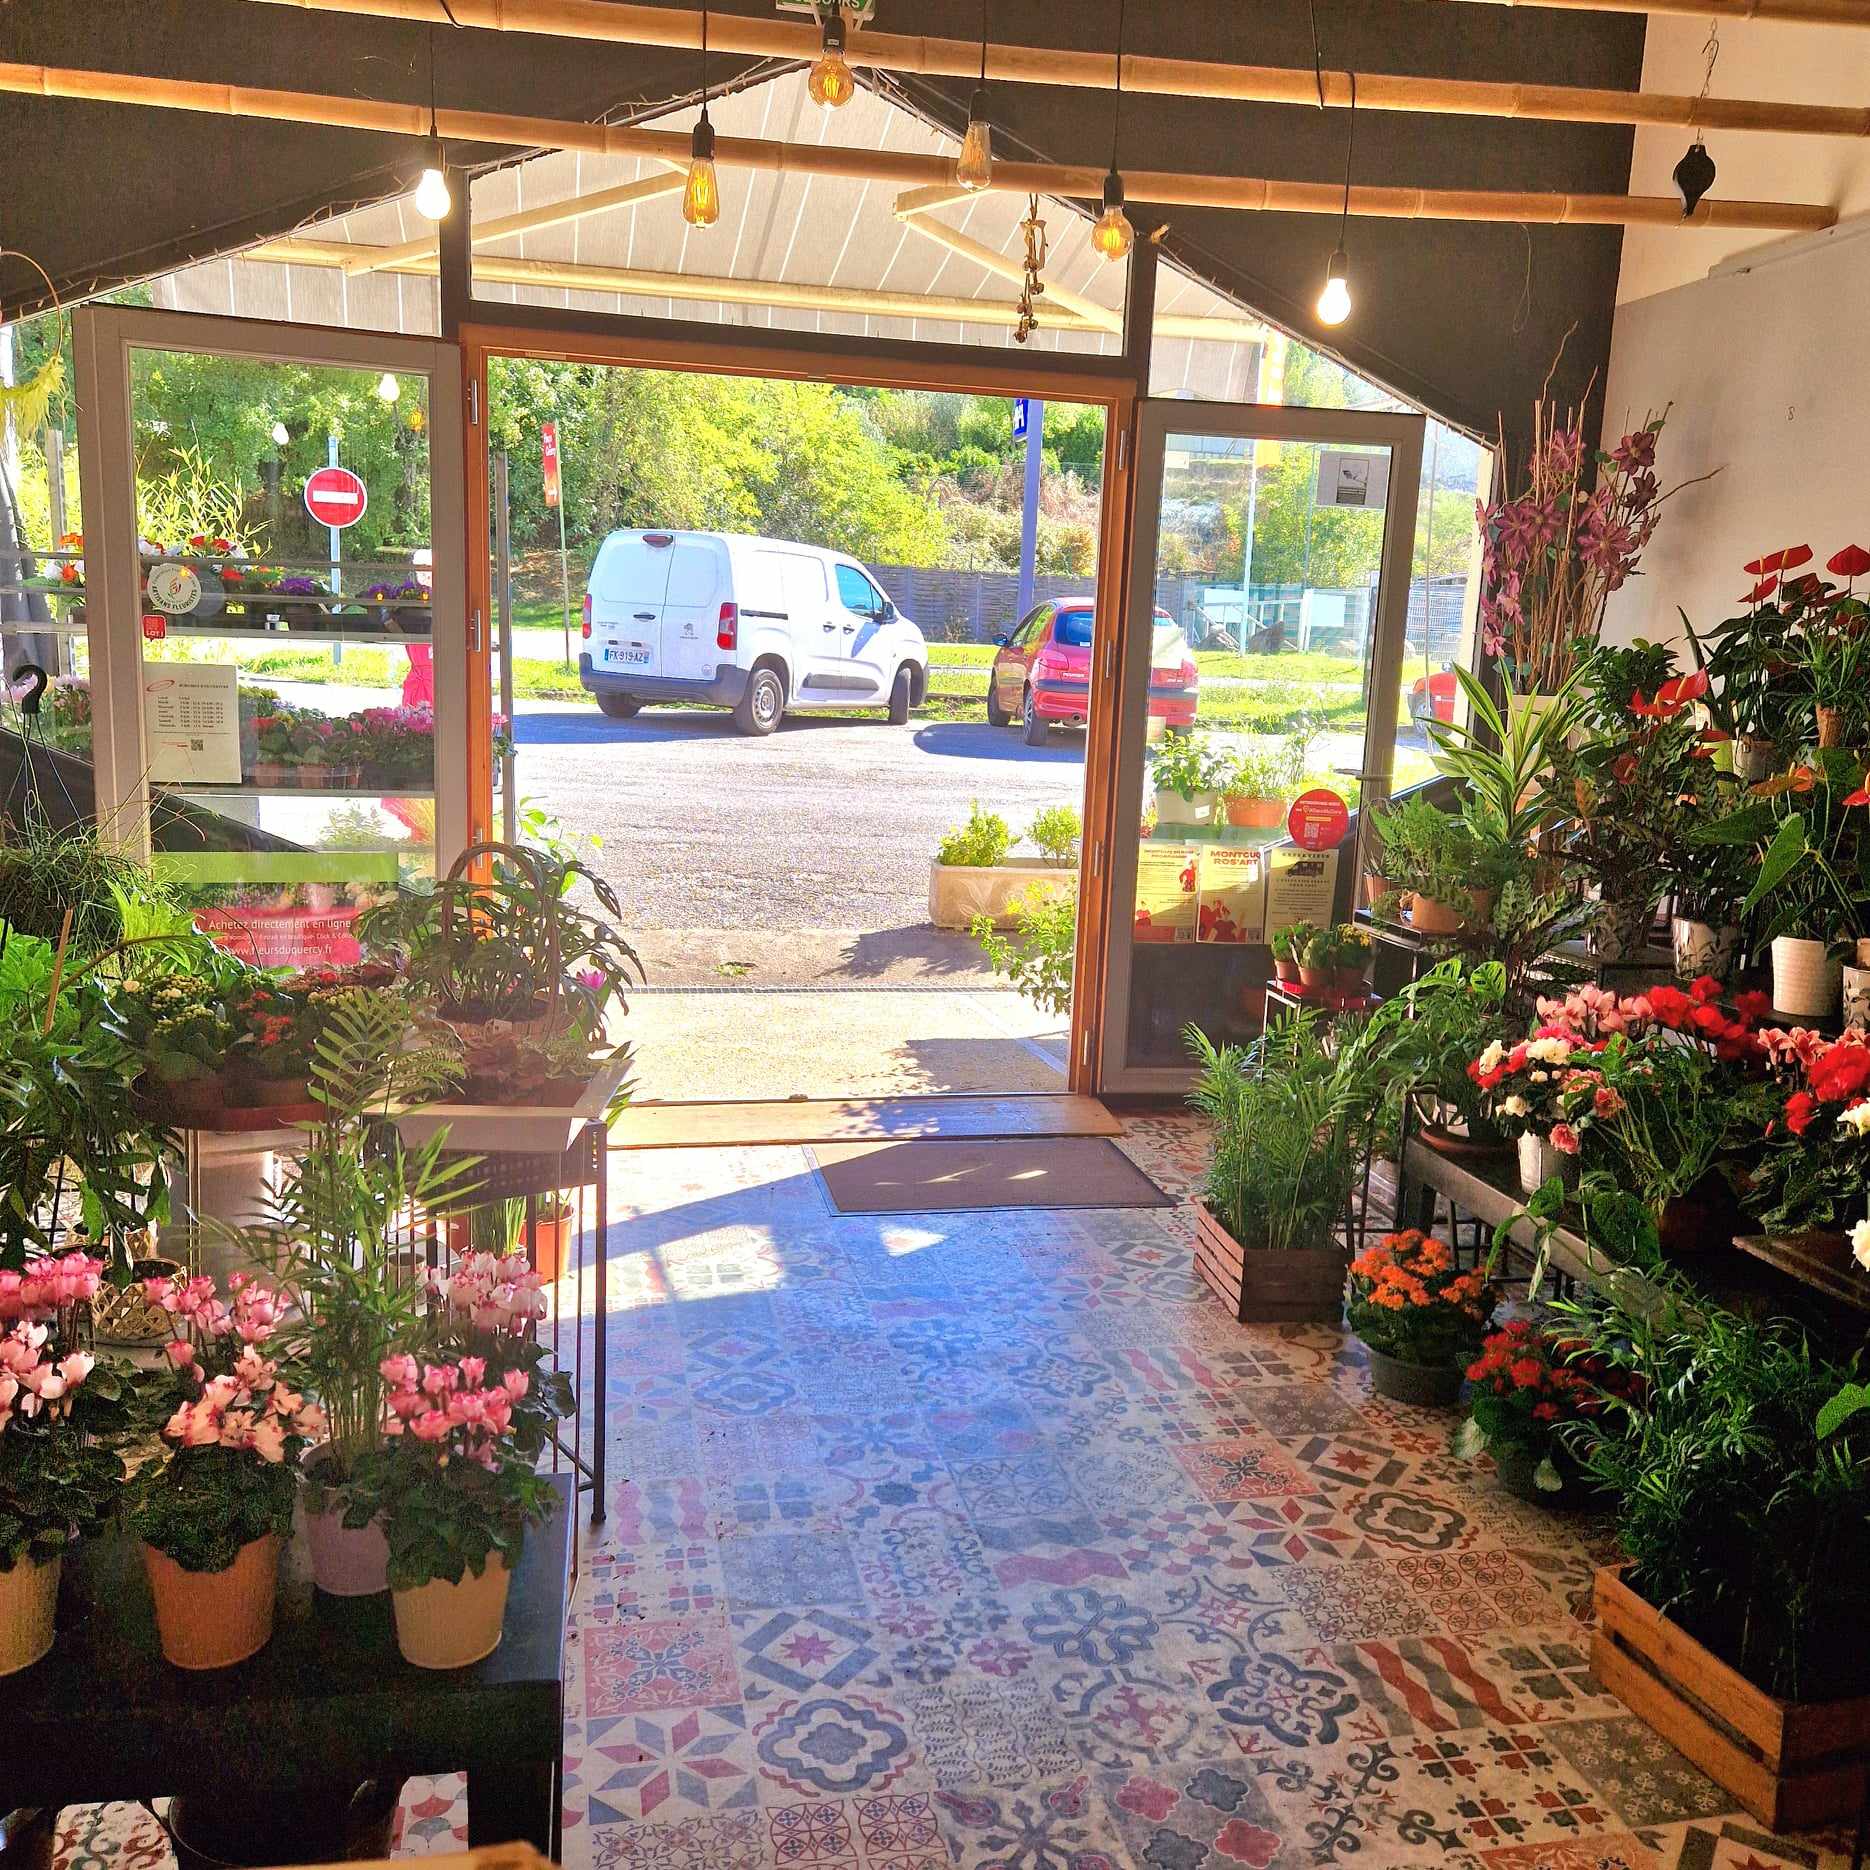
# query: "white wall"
[1764,359]
[1779,62]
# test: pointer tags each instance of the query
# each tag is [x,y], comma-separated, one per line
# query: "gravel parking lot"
[827,825]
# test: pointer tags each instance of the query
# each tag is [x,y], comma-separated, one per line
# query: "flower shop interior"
[1398,1402]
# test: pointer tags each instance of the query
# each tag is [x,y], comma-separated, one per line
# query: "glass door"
[1260,669]
[275,614]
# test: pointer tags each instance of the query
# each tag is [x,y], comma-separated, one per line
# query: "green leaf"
[1547,1478]
[1470,1439]
[1783,855]
[1851,1400]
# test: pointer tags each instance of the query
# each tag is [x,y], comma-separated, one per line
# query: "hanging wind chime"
[1033,228]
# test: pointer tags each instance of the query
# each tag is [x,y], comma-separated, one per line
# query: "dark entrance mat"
[930,1177]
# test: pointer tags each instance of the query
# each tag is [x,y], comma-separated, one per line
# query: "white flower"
[1860,1243]
[1550,1051]
[1857,1117]
[1515,1107]
[1492,1056]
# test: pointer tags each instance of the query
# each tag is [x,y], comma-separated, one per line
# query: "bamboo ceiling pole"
[527,221]
[906,169]
[1004,266]
[641,282]
[1782,12]
[1174,77]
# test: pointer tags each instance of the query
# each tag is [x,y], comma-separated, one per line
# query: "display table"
[328,1702]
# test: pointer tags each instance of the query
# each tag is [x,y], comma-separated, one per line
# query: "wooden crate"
[1270,1288]
[1792,1764]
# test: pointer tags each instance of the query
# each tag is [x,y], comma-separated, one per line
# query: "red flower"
[1852,562]
[1759,567]
[1794,556]
[1860,797]
[1704,989]
[1669,1006]
[1761,591]
[1526,1373]
[1623,768]
[1801,1108]
[1754,1005]
[1841,1073]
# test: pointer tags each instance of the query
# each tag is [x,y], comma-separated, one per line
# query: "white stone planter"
[960,892]
[1173,809]
[1702,948]
[1538,1162]
[1806,978]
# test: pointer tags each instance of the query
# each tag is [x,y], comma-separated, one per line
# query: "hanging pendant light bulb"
[434,199]
[701,194]
[388,389]
[1113,236]
[1334,302]
[973,168]
[1111,233]
[829,81]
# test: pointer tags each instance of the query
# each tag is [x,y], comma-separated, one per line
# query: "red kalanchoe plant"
[1529,1382]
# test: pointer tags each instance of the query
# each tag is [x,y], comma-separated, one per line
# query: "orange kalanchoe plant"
[1408,1299]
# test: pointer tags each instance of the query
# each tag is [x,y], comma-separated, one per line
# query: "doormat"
[931,1177]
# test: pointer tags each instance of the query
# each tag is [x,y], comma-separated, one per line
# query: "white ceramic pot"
[1806,977]
[1538,1162]
[1856,995]
[1172,808]
[1702,948]
[1620,929]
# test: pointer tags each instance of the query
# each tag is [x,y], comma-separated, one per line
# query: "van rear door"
[629,584]
[692,625]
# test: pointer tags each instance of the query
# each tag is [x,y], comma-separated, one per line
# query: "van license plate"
[618,657]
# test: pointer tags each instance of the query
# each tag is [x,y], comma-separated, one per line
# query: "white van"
[755,625]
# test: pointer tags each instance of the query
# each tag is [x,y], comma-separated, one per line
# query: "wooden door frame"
[103,337]
[1401,432]
[1115,384]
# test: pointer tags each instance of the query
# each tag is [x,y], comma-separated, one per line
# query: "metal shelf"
[293,639]
[209,791]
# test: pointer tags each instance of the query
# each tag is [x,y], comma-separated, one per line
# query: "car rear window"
[1073,629]
[629,570]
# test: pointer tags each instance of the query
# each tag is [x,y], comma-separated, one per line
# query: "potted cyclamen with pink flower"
[213,1515]
[456,1495]
[62,1414]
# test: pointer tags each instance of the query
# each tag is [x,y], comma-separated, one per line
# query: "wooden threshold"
[753,1123]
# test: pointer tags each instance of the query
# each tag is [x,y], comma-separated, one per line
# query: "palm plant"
[1291,1117]
[1504,759]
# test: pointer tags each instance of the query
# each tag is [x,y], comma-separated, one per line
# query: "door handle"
[829,628]
[850,629]
[645,616]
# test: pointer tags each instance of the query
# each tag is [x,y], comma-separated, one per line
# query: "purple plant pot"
[346,1563]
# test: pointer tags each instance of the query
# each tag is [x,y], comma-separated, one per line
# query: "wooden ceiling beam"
[680,29]
[905,169]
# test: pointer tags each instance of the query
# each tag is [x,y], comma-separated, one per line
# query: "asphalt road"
[828,824]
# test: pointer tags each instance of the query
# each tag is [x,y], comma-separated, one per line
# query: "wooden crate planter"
[1303,1286]
[1792,1764]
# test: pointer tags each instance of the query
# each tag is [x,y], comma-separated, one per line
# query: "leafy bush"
[1743,1522]
[1267,773]
[979,844]
[1039,957]
[1182,763]
[1055,833]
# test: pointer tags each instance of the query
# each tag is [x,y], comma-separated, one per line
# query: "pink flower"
[180,1353]
[399,1371]
[516,1383]
[430,1426]
[473,1369]
[1564,1139]
[268,1439]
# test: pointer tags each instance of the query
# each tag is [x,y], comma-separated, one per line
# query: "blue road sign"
[1019,418]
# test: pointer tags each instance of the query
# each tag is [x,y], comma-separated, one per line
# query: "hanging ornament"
[1033,228]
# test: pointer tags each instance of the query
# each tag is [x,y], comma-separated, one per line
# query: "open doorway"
[769,649]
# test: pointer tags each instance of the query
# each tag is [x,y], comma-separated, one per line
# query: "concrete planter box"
[960,892]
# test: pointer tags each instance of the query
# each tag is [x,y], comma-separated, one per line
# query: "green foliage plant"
[980,843]
[1428,1035]
[1740,1479]
[1039,955]
[1055,832]
[1184,764]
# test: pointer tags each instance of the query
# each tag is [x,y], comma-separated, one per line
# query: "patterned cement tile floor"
[990,1540]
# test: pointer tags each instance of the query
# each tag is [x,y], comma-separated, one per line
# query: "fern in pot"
[330,1243]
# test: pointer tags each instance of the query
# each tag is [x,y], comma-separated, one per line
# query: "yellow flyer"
[1300,886]
[1231,899]
[1165,892]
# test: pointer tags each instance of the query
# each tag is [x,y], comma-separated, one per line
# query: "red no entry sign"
[1318,820]
[334,496]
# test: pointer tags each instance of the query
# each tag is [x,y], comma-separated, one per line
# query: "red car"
[1042,675]
[1432,693]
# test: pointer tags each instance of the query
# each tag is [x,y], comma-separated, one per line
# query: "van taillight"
[728,634]
[587,614]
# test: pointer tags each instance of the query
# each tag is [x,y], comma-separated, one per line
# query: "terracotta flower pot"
[1348,978]
[447,1626]
[28,1598]
[1256,814]
[549,1243]
[1287,971]
[213,1619]
[1429,917]
[1830,726]
[1315,979]
[1428,1386]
